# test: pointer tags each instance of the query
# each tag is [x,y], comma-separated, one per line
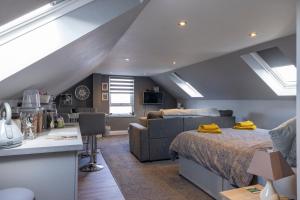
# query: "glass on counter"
[31,123]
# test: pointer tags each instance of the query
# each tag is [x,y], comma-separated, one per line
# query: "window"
[121,96]
[275,69]
[185,86]
[38,18]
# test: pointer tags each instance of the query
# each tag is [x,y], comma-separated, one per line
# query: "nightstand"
[243,193]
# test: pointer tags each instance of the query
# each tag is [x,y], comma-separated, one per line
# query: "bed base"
[203,178]
[214,184]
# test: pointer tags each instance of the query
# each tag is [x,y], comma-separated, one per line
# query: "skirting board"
[123,132]
[214,184]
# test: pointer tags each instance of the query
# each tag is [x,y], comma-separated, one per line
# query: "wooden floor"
[98,185]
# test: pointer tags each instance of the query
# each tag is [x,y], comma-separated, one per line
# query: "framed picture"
[104,96]
[66,99]
[104,86]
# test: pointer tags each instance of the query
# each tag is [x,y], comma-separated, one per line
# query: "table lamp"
[271,166]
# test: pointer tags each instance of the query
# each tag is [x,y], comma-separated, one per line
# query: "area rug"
[146,181]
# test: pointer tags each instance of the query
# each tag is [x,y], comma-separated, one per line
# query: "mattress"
[227,155]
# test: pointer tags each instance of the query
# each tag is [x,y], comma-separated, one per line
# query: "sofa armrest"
[139,141]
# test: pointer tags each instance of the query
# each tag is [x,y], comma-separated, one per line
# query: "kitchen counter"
[47,165]
[45,144]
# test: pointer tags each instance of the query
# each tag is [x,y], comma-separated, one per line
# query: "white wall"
[265,113]
[298,97]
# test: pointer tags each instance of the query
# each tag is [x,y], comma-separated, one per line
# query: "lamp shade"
[270,165]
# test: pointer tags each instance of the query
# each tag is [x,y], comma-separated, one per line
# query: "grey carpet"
[146,181]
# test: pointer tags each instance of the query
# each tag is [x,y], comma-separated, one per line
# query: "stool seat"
[16,194]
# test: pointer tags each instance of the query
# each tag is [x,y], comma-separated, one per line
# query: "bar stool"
[16,194]
[91,125]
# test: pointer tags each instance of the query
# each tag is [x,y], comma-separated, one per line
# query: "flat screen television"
[153,97]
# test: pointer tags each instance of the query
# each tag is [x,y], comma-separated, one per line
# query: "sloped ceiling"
[63,68]
[228,77]
[12,9]
[215,28]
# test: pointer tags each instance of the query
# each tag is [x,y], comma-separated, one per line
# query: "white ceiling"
[215,28]
[75,60]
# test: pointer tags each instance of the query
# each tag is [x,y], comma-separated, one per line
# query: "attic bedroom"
[149,99]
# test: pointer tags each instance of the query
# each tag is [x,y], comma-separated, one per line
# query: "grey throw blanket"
[228,154]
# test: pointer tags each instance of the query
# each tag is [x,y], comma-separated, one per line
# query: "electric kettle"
[10,134]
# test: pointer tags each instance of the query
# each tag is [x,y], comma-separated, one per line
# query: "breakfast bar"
[47,165]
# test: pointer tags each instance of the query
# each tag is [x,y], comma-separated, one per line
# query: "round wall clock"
[82,92]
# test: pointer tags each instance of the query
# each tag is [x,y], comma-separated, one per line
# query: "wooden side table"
[244,194]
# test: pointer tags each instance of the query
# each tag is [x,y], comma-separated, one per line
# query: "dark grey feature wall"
[229,77]
[141,84]
[88,82]
[227,82]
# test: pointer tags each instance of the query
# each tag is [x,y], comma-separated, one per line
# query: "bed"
[217,162]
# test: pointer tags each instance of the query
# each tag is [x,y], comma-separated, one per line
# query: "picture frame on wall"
[104,86]
[104,96]
[66,99]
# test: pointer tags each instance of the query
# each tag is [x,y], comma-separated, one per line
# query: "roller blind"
[121,95]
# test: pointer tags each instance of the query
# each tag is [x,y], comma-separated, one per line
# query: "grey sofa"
[151,142]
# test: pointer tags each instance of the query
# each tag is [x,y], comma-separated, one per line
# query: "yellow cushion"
[216,131]
[212,126]
[245,123]
[253,127]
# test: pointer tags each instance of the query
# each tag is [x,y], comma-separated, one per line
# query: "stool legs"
[92,166]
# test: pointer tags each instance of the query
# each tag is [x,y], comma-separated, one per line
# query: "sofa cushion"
[143,121]
[163,128]
[154,115]
[291,159]
[191,112]
[283,137]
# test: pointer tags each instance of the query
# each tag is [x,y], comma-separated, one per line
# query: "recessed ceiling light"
[174,62]
[252,34]
[127,59]
[182,23]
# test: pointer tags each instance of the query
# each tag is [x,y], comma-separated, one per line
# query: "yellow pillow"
[245,123]
[210,126]
[216,131]
[253,127]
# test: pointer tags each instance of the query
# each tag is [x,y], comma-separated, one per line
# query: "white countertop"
[44,144]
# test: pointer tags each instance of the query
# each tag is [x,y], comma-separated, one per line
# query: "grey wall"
[75,102]
[266,114]
[229,83]
[141,84]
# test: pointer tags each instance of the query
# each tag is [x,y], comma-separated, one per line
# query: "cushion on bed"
[291,159]
[283,137]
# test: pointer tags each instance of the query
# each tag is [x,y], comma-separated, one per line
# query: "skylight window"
[185,86]
[274,68]
[37,18]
